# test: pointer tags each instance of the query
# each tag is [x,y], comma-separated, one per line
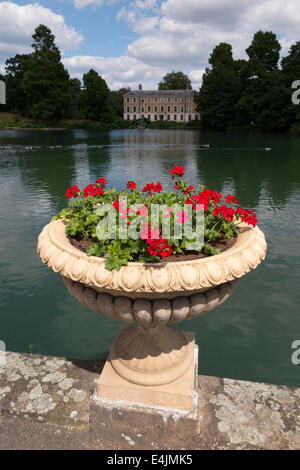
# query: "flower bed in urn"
[151,256]
[152,219]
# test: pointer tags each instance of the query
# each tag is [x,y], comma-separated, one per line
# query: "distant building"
[160,105]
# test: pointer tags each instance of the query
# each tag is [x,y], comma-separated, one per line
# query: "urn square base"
[177,394]
[125,423]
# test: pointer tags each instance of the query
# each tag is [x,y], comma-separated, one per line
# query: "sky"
[138,41]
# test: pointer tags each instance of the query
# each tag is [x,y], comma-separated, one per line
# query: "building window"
[190,109]
[128,100]
[161,117]
[134,116]
[155,109]
[181,109]
[148,99]
[169,109]
[155,117]
[175,109]
[149,117]
[191,99]
[161,109]
[134,109]
[162,100]
[196,117]
[169,99]
[128,117]
[169,117]
[134,100]
[142,109]
[142,100]
[142,116]
[181,117]
[155,99]
[128,109]
[175,117]
[190,117]
[149,109]
[175,99]
[182,100]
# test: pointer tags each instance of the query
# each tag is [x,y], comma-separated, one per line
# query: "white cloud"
[79,4]
[137,20]
[19,21]
[84,3]
[187,30]
[117,71]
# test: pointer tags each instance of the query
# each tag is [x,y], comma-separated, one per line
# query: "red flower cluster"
[204,197]
[72,191]
[247,216]
[231,199]
[102,181]
[153,188]
[93,190]
[131,185]
[178,171]
[159,247]
[226,212]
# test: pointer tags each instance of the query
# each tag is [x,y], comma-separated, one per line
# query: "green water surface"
[249,336]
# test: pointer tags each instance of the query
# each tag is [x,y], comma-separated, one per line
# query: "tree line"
[38,86]
[252,93]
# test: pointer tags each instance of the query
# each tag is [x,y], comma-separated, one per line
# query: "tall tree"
[15,68]
[46,81]
[264,50]
[290,73]
[94,97]
[220,89]
[116,100]
[263,94]
[175,81]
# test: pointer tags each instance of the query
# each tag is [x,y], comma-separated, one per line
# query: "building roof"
[159,92]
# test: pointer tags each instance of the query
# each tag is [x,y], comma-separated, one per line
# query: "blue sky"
[137,41]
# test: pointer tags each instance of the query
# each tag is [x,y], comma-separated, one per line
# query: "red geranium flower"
[72,191]
[247,216]
[92,190]
[153,188]
[178,171]
[131,185]
[159,247]
[102,181]
[231,199]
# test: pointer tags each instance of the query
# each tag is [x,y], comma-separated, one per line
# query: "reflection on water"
[248,337]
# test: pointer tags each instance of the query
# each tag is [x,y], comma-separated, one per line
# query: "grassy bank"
[10,120]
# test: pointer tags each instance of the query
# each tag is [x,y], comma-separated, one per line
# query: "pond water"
[249,336]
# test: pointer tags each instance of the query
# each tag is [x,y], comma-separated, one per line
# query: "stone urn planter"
[148,358]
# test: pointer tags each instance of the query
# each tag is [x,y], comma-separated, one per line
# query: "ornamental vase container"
[151,352]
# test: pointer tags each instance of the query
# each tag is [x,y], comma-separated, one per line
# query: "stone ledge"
[45,403]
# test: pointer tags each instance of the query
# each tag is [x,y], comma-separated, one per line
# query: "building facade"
[160,105]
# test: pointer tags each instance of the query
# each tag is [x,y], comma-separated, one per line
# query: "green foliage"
[175,81]
[220,89]
[264,50]
[94,98]
[253,93]
[15,96]
[116,100]
[46,81]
